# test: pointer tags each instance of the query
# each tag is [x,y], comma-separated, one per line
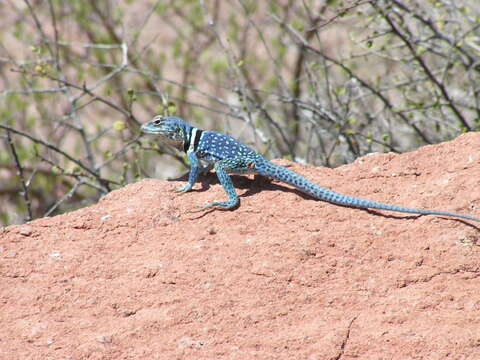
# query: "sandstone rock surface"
[284,276]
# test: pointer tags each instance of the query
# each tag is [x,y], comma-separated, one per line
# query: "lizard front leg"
[193,174]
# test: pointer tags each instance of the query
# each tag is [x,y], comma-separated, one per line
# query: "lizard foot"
[223,205]
[184,188]
[201,208]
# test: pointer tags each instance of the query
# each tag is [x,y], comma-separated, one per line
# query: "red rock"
[282,277]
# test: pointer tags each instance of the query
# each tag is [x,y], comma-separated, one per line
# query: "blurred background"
[318,82]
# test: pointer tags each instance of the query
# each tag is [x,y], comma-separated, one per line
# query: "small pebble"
[104,339]
[55,254]
[26,230]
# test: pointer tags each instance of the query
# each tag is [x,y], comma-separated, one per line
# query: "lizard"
[230,156]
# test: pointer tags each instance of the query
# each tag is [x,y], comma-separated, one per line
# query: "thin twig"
[21,176]
[65,197]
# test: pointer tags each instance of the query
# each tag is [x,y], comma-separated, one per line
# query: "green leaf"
[171,108]
[420,50]
[119,125]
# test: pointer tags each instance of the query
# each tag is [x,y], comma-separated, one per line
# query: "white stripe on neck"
[191,146]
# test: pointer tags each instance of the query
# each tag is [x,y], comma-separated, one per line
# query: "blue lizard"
[230,156]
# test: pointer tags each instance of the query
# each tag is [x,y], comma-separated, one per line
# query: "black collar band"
[188,145]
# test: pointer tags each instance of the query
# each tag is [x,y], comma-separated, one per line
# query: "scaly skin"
[230,156]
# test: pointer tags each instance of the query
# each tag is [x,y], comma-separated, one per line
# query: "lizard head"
[172,130]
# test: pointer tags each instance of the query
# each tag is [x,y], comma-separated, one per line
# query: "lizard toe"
[184,188]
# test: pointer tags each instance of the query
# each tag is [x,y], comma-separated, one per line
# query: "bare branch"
[103,181]
[20,173]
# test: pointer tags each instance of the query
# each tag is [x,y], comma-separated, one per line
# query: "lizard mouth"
[146,128]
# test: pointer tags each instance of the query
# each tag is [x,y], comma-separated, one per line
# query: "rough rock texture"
[282,277]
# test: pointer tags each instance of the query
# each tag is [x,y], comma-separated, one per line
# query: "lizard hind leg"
[222,168]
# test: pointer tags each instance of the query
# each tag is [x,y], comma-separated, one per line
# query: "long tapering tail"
[290,177]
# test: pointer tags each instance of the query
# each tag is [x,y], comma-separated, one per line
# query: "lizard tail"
[301,183]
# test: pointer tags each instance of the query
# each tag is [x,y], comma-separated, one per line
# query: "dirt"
[284,276]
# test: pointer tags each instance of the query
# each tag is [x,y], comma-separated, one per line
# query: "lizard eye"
[156,122]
